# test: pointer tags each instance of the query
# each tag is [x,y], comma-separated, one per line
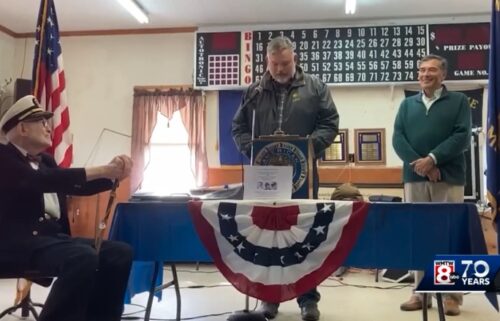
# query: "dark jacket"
[22,218]
[309,110]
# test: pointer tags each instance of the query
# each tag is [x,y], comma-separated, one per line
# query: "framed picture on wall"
[369,146]
[337,152]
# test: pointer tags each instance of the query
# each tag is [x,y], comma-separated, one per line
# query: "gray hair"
[278,44]
[442,60]
[10,136]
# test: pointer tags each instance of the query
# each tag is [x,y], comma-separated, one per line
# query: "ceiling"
[19,16]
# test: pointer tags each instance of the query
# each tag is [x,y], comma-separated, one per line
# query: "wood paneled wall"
[85,212]
[359,175]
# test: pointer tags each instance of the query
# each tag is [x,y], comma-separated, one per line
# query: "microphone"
[256,92]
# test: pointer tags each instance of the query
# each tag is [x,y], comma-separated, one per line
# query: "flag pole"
[40,47]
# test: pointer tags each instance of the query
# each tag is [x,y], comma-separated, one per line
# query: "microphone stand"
[256,92]
[246,314]
[253,137]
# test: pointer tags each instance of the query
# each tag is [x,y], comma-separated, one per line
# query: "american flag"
[49,84]
[276,251]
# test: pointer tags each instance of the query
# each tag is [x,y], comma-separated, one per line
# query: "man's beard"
[282,79]
[285,79]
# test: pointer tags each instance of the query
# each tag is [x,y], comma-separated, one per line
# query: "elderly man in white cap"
[34,226]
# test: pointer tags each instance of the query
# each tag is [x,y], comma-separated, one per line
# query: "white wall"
[369,107]
[7,45]
[212,128]
[101,72]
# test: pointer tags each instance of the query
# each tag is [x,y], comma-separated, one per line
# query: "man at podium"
[287,101]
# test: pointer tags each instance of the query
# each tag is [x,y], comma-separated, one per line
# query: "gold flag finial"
[497,5]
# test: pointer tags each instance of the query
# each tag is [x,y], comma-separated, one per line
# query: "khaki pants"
[434,192]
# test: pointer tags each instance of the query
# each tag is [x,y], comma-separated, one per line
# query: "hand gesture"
[422,166]
[120,167]
[434,175]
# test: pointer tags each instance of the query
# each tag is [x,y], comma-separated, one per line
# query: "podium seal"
[285,154]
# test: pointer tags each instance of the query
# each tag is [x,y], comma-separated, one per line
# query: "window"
[167,160]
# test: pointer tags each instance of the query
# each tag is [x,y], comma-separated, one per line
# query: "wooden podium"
[288,150]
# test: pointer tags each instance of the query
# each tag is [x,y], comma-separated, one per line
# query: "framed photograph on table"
[369,146]
[337,152]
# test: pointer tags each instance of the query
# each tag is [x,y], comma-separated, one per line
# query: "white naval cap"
[26,108]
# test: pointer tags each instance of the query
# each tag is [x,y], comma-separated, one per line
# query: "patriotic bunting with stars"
[276,251]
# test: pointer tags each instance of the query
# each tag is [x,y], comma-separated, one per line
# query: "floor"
[207,296]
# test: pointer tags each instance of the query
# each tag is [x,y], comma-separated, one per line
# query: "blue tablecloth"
[395,235]
[408,235]
[158,232]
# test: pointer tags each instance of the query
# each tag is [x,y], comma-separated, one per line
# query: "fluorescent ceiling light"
[350,6]
[135,9]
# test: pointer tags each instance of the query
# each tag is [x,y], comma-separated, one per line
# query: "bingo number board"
[345,55]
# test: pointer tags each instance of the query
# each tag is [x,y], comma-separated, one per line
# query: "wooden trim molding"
[224,175]
[7,31]
[359,175]
[163,87]
[111,32]
[124,32]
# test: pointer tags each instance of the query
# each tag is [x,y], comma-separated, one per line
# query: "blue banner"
[462,273]
[492,146]
[229,101]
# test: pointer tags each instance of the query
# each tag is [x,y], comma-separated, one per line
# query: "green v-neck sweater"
[444,130]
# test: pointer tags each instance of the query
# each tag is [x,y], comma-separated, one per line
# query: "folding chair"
[26,305]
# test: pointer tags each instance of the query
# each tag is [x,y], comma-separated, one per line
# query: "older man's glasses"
[42,121]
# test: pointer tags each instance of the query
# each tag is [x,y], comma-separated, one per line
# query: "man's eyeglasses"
[42,121]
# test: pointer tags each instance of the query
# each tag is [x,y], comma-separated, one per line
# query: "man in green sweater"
[432,131]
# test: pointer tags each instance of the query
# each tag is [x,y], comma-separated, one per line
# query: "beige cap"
[26,108]
[346,191]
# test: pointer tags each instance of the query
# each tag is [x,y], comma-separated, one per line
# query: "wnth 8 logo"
[462,273]
[470,272]
[444,272]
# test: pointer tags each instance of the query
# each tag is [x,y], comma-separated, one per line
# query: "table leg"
[439,298]
[152,291]
[424,306]
[177,292]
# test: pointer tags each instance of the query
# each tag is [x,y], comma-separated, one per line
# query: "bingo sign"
[223,59]
[465,46]
[462,273]
[344,55]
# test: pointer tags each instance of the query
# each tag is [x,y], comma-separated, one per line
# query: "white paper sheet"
[267,182]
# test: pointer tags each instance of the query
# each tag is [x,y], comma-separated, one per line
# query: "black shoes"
[309,311]
[269,310]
